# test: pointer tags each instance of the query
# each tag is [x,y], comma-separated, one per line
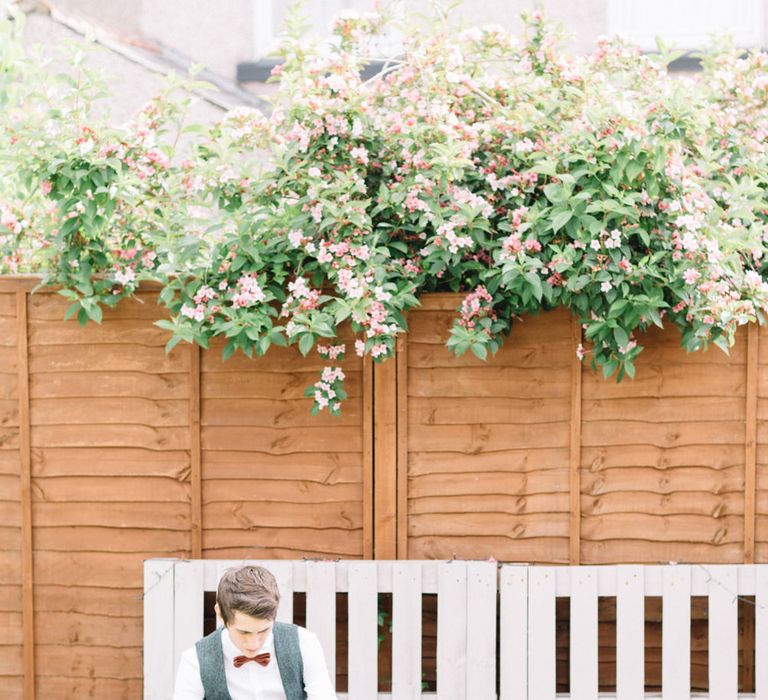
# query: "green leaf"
[306,343]
[479,350]
[535,281]
[621,337]
[560,220]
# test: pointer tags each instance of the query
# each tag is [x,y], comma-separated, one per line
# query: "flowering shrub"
[505,170]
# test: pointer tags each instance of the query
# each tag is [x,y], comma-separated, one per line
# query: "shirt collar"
[231,650]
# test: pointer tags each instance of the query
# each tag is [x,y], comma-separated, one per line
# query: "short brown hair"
[251,590]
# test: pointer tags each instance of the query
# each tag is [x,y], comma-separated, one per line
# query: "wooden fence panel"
[663,457]
[488,466]
[110,468]
[488,442]
[277,481]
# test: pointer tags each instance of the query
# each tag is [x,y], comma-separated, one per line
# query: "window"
[687,24]
[269,18]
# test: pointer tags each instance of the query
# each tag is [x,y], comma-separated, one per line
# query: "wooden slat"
[513,632]
[630,633]
[283,573]
[25,481]
[761,633]
[363,630]
[385,461]
[402,447]
[321,607]
[367,458]
[452,630]
[481,629]
[676,634]
[406,629]
[159,611]
[574,460]
[196,471]
[583,662]
[541,633]
[723,633]
[750,443]
[187,605]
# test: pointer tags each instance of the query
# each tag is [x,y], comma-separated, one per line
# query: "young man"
[253,657]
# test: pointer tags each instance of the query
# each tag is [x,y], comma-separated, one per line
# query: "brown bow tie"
[262,659]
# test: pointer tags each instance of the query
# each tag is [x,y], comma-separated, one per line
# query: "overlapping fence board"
[278,482]
[663,457]
[488,442]
[110,467]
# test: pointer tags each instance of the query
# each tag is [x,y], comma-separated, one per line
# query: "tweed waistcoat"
[287,653]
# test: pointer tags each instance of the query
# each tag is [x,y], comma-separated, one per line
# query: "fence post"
[25,484]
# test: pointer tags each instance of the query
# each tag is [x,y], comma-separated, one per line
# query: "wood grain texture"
[25,478]
[195,449]
[385,459]
[574,466]
[489,443]
[750,444]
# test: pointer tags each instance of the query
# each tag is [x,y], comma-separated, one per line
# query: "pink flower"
[125,276]
[360,154]
[691,275]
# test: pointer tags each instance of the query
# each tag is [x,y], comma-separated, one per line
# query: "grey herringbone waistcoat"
[287,653]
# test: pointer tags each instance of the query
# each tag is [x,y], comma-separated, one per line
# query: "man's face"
[249,633]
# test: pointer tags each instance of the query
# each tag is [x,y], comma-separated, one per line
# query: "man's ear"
[217,610]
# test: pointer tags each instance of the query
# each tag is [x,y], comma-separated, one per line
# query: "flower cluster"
[505,170]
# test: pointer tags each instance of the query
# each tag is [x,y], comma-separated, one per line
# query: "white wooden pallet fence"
[469,594]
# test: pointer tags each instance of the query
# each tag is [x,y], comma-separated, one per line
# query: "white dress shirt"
[252,681]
